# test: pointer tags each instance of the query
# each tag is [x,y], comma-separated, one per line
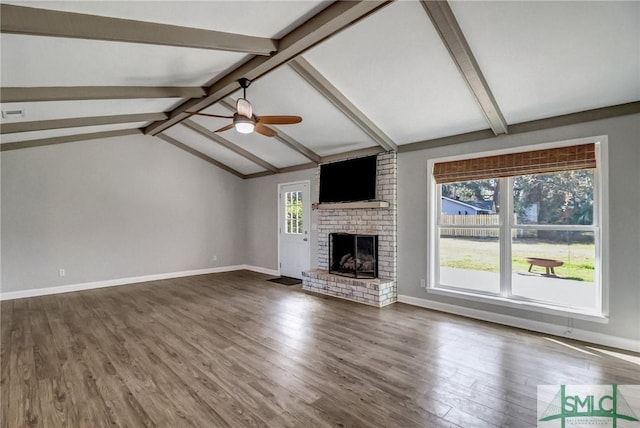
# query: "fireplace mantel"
[351,205]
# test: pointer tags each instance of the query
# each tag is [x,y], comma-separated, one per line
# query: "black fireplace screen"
[353,255]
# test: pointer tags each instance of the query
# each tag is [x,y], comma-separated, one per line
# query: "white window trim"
[601,186]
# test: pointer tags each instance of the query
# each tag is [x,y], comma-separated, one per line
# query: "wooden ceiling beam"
[292,143]
[194,126]
[51,23]
[309,73]
[579,117]
[75,122]
[449,30]
[529,126]
[332,19]
[281,136]
[258,174]
[72,93]
[369,151]
[293,168]
[67,139]
[200,155]
[449,140]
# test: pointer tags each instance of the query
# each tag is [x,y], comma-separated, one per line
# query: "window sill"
[522,304]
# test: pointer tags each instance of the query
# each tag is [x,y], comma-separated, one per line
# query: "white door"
[293,226]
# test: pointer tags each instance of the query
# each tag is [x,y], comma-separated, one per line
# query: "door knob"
[305,239]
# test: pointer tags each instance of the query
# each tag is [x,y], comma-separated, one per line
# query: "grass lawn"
[483,254]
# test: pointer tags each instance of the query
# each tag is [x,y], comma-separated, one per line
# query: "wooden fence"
[470,220]
[494,220]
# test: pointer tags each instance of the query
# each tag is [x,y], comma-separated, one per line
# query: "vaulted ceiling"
[365,76]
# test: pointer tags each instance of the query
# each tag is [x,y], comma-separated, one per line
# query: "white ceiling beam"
[332,19]
[529,126]
[309,73]
[69,93]
[280,136]
[200,155]
[67,139]
[194,126]
[447,26]
[41,125]
[51,23]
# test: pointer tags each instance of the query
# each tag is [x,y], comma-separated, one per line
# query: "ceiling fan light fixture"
[244,125]
[245,122]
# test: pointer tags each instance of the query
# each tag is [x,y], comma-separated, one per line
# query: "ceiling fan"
[246,122]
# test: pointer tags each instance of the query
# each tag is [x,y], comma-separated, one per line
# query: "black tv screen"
[350,180]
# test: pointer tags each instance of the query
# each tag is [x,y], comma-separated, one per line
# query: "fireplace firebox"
[353,255]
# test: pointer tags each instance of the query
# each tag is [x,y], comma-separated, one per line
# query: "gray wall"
[134,206]
[624,206]
[262,212]
[115,208]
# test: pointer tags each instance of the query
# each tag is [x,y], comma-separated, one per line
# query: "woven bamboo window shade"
[536,162]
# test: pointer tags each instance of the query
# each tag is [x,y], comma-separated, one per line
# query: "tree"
[562,198]
[473,191]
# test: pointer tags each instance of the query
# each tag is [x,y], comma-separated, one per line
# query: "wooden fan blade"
[224,128]
[263,130]
[209,115]
[279,120]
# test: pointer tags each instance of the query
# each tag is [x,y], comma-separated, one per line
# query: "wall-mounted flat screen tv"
[348,181]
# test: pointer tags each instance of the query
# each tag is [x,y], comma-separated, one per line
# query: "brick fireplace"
[368,218]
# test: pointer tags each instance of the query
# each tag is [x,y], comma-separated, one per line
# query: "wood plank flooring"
[233,350]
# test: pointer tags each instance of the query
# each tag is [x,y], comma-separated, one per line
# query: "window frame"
[600,229]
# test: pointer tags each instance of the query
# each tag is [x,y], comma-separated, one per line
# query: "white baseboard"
[44,291]
[265,271]
[537,326]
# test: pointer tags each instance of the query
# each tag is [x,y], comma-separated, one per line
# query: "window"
[521,228]
[293,212]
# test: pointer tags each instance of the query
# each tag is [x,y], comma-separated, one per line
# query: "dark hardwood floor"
[235,350]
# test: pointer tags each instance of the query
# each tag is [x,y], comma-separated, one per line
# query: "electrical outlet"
[61,272]
[214,258]
[423,283]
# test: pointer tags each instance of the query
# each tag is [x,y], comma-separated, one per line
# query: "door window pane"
[470,262]
[293,213]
